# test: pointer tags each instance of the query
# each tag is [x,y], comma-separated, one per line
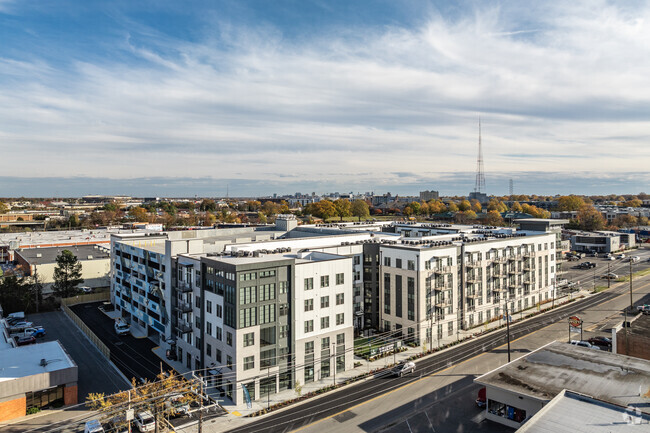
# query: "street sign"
[129,414]
[575,321]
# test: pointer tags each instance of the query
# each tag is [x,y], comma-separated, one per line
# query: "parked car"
[635,259]
[643,308]
[145,421]
[620,256]
[403,368]
[586,344]
[602,342]
[611,258]
[20,326]
[35,331]
[93,426]
[121,327]
[481,400]
[86,289]
[177,404]
[25,340]
[609,276]
[17,316]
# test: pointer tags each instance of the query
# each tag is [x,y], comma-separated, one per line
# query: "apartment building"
[269,309]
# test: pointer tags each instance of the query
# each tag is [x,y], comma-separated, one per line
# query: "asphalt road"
[133,356]
[333,404]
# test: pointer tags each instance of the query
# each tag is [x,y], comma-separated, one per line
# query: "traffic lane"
[328,406]
[133,356]
[95,374]
[67,421]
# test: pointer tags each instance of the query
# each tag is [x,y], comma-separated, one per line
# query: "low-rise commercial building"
[602,241]
[518,390]
[34,376]
[94,259]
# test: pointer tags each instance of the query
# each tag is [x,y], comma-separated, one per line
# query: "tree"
[452,207]
[139,214]
[516,207]
[208,219]
[633,203]
[3,208]
[476,206]
[493,218]
[360,209]
[464,205]
[437,206]
[625,221]
[12,293]
[208,205]
[424,208]
[342,207]
[67,275]
[325,209]
[589,218]
[570,203]
[415,207]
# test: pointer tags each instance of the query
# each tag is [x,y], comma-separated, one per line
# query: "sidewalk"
[237,414]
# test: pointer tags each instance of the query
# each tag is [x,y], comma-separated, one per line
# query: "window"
[450,328]
[340,278]
[248,276]
[398,295]
[219,335]
[249,339]
[270,273]
[411,265]
[309,304]
[218,356]
[309,283]
[309,326]
[228,361]
[309,347]
[228,338]
[324,322]
[398,263]
[267,313]
[248,317]
[267,292]
[340,363]
[267,358]
[340,339]
[247,295]
[267,336]
[325,343]
[325,281]
[340,299]
[208,307]
[357,260]
[387,293]
[284,333]
[219,311]
[208,328]
[284,309]
[249,362]
[208,349]
[410,284]
[340,318]
[282,287]
[386,261]
[324,301]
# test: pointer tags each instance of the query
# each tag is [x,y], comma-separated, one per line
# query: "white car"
[620,256]
[586,344]
[403,368]
[177,404]
[121,327]
[145,421]
[93,426]
[86,289]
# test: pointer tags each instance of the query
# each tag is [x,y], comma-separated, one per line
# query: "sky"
[177,98]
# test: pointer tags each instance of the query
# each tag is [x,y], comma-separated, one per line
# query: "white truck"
[34,331]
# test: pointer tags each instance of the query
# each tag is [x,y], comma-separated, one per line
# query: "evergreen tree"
[67,274]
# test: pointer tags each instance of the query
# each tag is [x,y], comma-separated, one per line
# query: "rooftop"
[544,373]
[576,413]
[40,256]
[27,360]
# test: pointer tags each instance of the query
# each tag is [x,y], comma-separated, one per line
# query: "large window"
[44,398]
[324,322]
[309,283]
[309,326]
[340,318]
[410,307]
[267,336]
[324,301]
[267,292]
[267,358]
[267,385]
[249,363]
[267,314]
[309,304]
[387,293]
[340,278]
[247,295]
[398,295]
[325,281]
[248,317]
[249,339]
[340,298]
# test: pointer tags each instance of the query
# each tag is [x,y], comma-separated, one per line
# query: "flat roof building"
[518,390]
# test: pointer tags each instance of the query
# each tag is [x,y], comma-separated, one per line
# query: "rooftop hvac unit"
[90,257]
[39,255]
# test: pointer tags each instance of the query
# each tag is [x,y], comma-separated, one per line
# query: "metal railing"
[85,329]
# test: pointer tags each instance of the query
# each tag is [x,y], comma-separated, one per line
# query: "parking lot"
[95,373]
[133,356]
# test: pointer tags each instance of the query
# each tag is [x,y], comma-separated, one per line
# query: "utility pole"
[507,329]
[631,301]
[268,391]
[609,281]
[334,361]
[201,406]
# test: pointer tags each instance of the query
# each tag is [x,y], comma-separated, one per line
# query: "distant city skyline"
[180,98]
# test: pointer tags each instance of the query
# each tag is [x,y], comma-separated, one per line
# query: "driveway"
[96,374]
[133,356]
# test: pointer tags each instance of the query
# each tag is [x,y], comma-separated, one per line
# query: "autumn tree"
[253,205]
[625,221]
[493,218]
[3,208]
[464,205]
[67,274]
[208,205]
[633,203]
[589,218]
[476,206]
[424,208]
[452,207]
[516,207]
[437,206]
[360,209]
[139,214]
[570,203]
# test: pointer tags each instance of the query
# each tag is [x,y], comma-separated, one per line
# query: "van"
[18,315]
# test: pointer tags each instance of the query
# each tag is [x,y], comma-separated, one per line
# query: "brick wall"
[638,345]
[70,394]
[13,409]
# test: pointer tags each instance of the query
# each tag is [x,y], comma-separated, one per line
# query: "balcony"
[183,307]
[183,327]
[514,258]
[184,287]
[442,270]
[472,294]
[514,271]
[442,303]
[499,260]
[529,282]
[529,254]
[528,267]
[475,264]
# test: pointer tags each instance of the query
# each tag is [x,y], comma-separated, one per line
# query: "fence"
[80,324]
[82,299]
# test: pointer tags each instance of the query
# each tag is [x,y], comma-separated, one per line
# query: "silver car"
[403,368]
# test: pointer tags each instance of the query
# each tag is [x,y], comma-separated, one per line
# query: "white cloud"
[379,101]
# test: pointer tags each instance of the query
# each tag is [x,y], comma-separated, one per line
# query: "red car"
[24,341]
[482,399]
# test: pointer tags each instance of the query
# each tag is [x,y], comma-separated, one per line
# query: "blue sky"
[183,98]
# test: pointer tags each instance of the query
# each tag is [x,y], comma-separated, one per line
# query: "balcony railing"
[184,287]
[500,259]
[183,327]
[514,257]
[475,264]
[529,254]
[183,307]
[442,270]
